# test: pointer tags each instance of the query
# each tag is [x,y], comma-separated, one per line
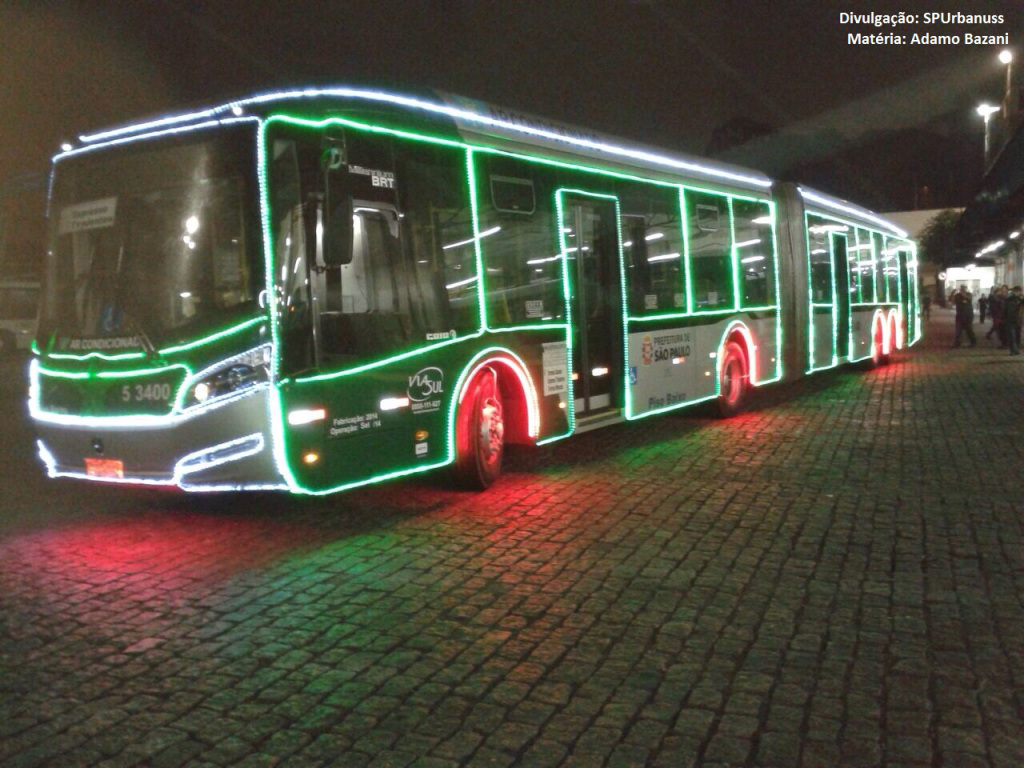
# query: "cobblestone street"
[834,578]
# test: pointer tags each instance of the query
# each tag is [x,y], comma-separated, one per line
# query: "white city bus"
[318,289]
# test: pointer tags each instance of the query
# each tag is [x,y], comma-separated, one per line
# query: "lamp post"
[986,111]
[1009,97]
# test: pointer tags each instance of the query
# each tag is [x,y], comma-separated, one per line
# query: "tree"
[937,239]
[937,245]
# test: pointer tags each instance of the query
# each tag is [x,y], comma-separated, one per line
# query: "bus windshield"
[152,244]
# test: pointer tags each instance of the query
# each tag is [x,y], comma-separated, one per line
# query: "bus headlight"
[227,381]
[201,392]
[234,375]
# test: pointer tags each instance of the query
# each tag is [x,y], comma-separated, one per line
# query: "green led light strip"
[166,351]
[733,258]
[213,337]
[387,360]
[687,272]
[778,304]
[474,211]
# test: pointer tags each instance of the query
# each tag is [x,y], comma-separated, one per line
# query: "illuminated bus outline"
[289,441]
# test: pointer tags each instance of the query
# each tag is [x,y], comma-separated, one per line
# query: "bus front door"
[591,243]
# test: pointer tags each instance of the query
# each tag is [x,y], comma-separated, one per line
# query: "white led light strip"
[250,445]
[850,210]
[127,137]
[37,412]
[427,106]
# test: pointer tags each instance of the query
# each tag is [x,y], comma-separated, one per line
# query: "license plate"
[104,468]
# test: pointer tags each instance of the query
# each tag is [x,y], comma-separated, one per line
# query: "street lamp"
[986,111]
[1009,98]
[1006,57]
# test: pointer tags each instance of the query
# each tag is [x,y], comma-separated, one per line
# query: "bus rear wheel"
[480,436]
[733,379]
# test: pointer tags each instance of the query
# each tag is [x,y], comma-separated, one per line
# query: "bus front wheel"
[480,433]
[733,379]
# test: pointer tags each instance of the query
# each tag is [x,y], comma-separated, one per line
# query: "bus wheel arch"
[492,409]
[895,331]
[736,366]
[879,341]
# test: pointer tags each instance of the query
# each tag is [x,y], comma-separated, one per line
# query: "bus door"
[908,298]
[841,269]
[591,242]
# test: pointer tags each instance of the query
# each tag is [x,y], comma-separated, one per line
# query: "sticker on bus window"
[556,372]
[535,308]
[677,299]
[385,179]
[96,214]
[650,301]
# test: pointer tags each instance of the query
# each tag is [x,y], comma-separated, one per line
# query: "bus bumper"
[220,448]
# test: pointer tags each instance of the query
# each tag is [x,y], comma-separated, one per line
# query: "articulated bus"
[318,289]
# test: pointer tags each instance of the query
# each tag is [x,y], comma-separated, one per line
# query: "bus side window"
[288,229]
[437,239]
[878,251]
[820,261]
[652,247]
[634,249]
[364,309]
[755,252]
[707,218]
[891,267]
[519,242]
[412,277]
[859,259]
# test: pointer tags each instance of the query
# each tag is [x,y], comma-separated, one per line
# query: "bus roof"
[850,210]
[473,120]
[489,125]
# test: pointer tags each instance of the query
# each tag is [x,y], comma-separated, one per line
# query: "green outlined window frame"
[737,260]
[690,298]
[830,238]
[321,124]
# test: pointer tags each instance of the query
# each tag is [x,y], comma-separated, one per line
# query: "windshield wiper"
[134,327]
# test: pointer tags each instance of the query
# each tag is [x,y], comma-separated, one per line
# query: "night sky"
[870,123]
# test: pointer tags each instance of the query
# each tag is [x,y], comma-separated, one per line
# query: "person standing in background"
[1012,316]
[963,303]
[995,310]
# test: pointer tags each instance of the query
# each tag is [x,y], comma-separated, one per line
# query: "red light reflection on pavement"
[150,557]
